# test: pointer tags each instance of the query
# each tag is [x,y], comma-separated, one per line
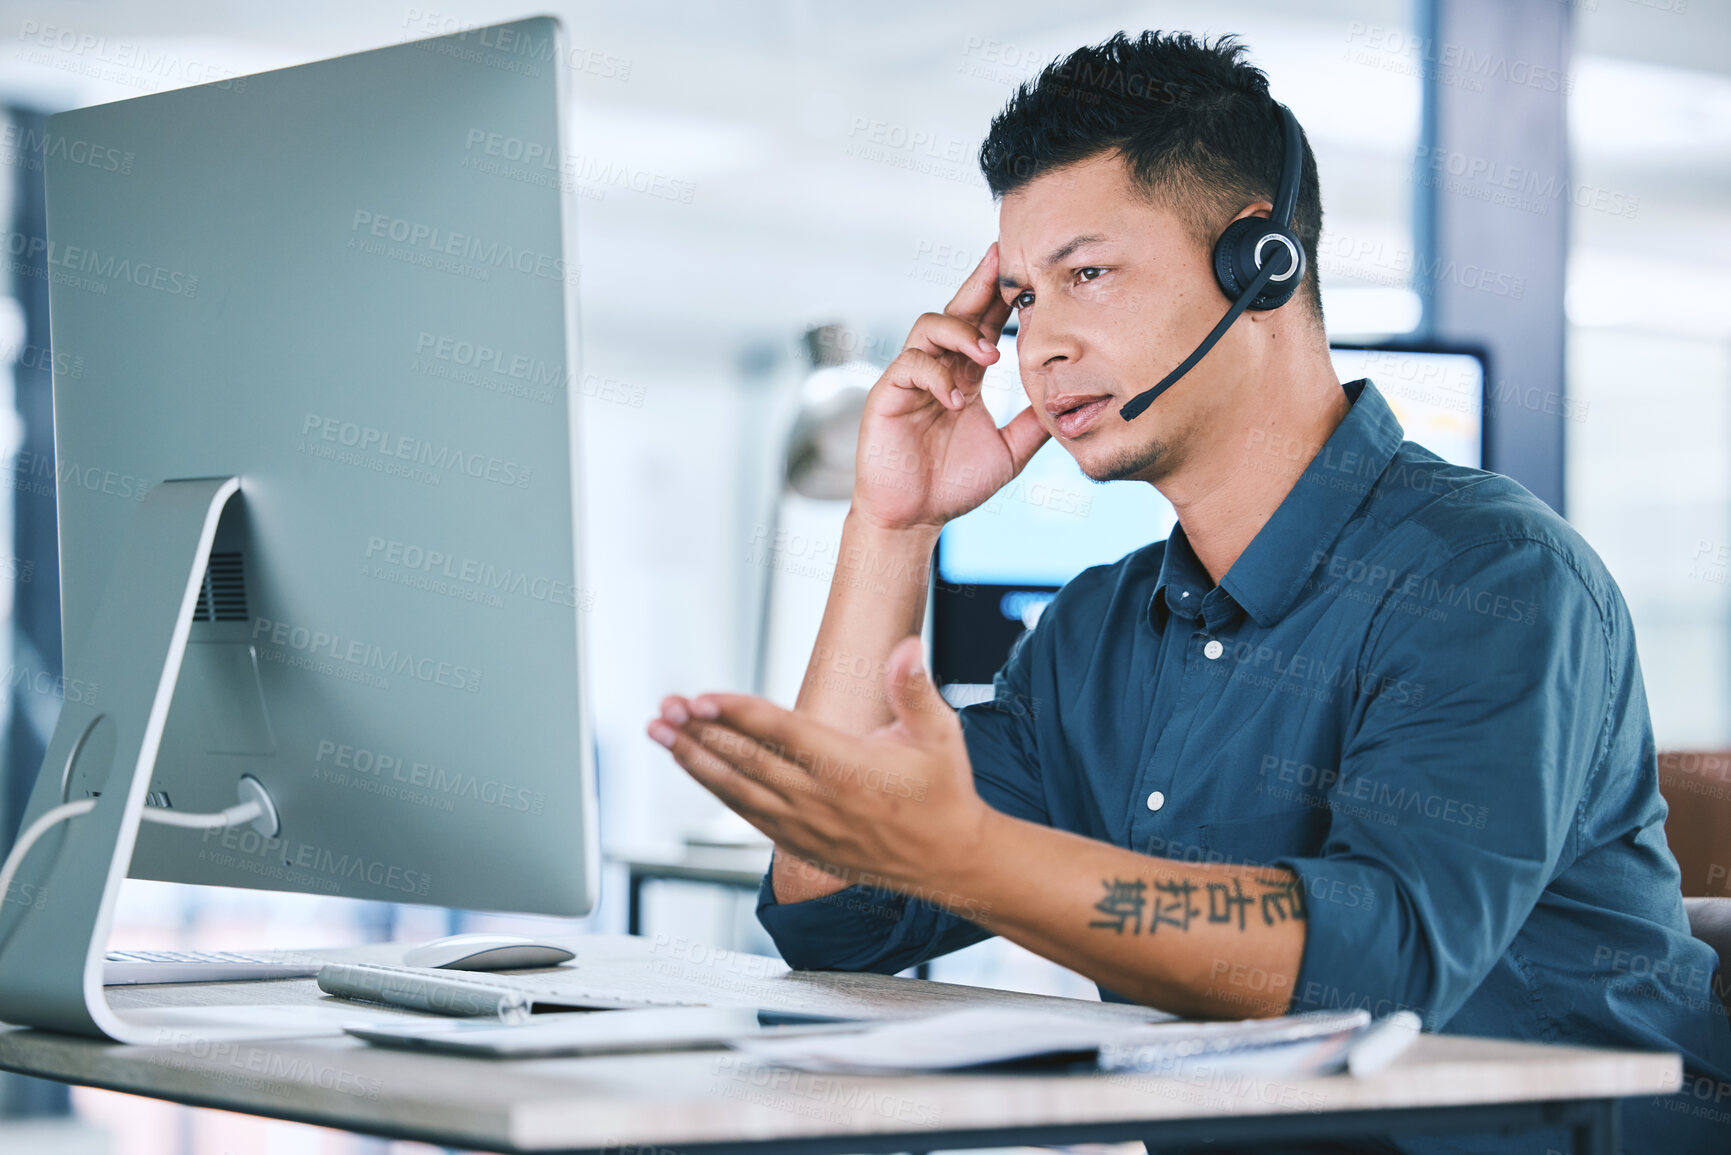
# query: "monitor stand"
[52,946]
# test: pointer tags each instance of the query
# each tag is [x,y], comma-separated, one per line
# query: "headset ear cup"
[1233,279]
[1235,261]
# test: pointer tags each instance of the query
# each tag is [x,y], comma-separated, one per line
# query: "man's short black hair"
[1193,121]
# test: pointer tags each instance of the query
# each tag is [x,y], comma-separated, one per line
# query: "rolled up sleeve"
[863,928]
[1480,715]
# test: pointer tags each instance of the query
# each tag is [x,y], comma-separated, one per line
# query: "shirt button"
[1156,800]
[1213,649]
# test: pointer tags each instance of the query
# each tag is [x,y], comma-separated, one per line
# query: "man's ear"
[1257,209]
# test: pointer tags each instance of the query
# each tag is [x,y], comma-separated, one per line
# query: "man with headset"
[1368,730]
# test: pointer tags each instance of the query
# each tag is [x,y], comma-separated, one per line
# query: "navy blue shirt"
[1417,688]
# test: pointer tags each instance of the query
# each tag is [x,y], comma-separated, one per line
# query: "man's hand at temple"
[929,449]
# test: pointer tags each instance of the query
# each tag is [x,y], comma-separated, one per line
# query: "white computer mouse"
[486,952]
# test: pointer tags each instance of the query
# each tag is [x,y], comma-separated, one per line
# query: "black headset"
[1258,261]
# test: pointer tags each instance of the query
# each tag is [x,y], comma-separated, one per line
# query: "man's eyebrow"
[1056,255]
[1071,246]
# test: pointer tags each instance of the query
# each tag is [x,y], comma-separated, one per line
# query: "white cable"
[233,816]
[35,831]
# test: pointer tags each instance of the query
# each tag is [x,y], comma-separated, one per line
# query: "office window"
[1649,345]
[29,600]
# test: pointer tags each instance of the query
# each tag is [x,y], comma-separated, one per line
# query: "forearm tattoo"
[1128,907]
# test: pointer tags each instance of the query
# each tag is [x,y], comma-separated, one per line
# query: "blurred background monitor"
[999,565]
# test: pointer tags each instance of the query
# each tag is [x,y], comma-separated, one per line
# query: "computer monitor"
[999,565]
[1437,393]
[350,285]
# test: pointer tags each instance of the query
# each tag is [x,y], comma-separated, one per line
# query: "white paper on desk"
[1324,1055]
[940,1042]
[1297,1044]
[1313,1042]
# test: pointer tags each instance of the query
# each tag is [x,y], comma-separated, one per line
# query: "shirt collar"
[1272,571]
[1183,581]
[1269,575]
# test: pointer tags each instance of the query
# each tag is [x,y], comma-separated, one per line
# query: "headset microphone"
[1239,265]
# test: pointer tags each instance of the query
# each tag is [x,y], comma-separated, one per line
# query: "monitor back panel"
[349,283]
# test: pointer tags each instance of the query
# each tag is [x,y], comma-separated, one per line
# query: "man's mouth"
[1076,413]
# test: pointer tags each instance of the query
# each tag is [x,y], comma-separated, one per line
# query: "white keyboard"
[448,992]
[130,967]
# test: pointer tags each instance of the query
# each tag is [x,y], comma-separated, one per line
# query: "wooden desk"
[715,1102]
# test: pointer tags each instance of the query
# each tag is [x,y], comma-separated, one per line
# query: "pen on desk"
[400,989]
[1382,1043]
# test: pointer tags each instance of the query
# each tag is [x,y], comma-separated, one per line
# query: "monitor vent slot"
[222,595]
